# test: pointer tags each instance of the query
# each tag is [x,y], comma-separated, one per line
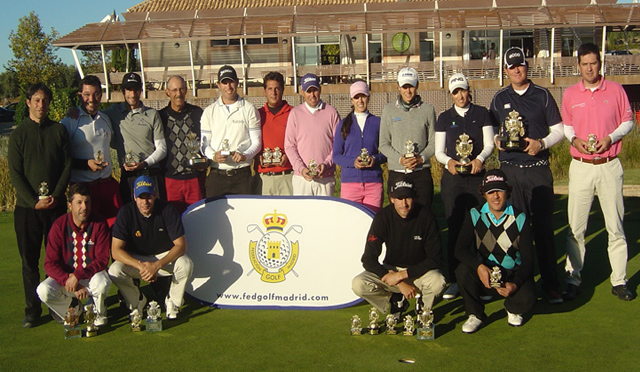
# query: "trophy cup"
[427,330]
[591,143]
[277,156]
[136,320]
[391,322]
[373,322]
[225,150]
[464,147]
[99,157]
[313,168]
[154,319]
[267,156]
[511,138]
[364,156]
[196,161]
[71,326]
[409,326]
[495,277]
[356,327]
[130,159]
[43,191]
[409,149]
[89,318]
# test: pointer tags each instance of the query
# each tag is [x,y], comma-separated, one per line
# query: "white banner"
[276,252]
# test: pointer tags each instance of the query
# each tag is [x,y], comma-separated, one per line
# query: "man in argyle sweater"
[495,235]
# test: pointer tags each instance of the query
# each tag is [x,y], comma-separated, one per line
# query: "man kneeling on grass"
[413,262]
[495,236]
[148,240]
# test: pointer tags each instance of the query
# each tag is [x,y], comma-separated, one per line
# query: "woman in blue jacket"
[361,181]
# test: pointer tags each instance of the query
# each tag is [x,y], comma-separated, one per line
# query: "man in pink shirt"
[309,136]
[596,115]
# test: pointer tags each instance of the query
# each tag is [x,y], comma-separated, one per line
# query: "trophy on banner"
[356,326]
[277,156]
[196,161]
[267,156]
[225,149]
[427,330]
[464,148]
[154,319]
[409,149]
[495,277]
[409,326]
[373,322]
[364,156]
[512,133]
[99,157]
[136,320]
[43,191]
[391,322]
[130,159]
[313,168]
[591,143]
[90,318]
[71,326]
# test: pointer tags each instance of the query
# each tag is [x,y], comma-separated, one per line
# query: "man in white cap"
[309,136]
[234,122]
[407,137]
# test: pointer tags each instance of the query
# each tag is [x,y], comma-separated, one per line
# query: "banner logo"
[273,256]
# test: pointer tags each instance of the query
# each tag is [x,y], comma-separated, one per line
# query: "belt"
[229,172]
[277,173]
[595,161]
[539,163]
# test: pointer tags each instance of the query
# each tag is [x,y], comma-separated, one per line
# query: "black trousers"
[533,194]
[471,288]
[32,227]
[421,180]
[459,194]
[232,182]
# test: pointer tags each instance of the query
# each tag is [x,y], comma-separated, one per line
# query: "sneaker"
[172,309]
[514,320]
[571,292]
[622,292]
[451,292]
[486,298]
[472,324]
[398,305]
[100,321]
[554,297]
[28,322]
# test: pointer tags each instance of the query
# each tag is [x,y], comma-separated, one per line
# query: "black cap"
[514,57]
[227,72]
[402,189]
[132,81]
[495,180]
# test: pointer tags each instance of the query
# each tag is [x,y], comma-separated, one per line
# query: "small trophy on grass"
[356,326]
[71,326]
[154,319]
[373,322]
[90,318]
[391,322]
[427,330]
[136,320]
[409,326]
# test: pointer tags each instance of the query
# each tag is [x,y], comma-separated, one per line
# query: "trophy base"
[513,144]
[374,331]
[407,333]
[43,197]
[135,328]
[391,332]
[91,333]
[356,331]
[153,325]
[463,169]
[225,153]
[72,332]
[496,285]
[409,156]
[427,333]
[198,164]
[313,174]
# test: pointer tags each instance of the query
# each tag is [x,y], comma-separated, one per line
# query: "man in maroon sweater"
[77,255]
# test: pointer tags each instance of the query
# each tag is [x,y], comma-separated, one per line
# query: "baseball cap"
[308,81]
[402,189]
[227,72]
[359,87]
[132,81]
[494,180]
[408,75]
[514,57]
[456,81]
[143,184]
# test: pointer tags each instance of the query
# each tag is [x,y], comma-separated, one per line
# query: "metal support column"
[193,72]
[144,81]
[293,61]
[78,65]
[106,74]
[552,52]
[500,69]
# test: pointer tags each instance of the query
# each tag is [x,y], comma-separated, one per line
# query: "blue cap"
[143,184]
[308,81]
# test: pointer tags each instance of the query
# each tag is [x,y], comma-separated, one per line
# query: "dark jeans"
[422,183]
[232,182]
[32,227]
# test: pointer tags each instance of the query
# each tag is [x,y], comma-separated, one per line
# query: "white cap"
[408,76]
[456,81]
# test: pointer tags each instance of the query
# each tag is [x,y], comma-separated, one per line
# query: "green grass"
[596,332]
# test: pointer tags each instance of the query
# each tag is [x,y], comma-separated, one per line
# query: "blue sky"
[63,15]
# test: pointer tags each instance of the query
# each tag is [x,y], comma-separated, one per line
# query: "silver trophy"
[43,191]
[267,157]
[136,320]
[313,168]
[591,143]
[373,322]
[512,136]
[225,149]
[130,159]
[71,327]
[496,277]
[356,326]
[154,318]
[409,326]
[196,161]
[90,318]
[277,155]
[364,156]
[391,322]
[464,148]
[409,149]
[99,157]
[427,330]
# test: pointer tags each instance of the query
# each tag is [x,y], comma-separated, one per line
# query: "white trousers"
[180,270]
[606,180]
[317,187]
[58,299]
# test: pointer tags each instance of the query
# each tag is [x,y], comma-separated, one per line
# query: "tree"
[34,59]
[8,85]
[92,62]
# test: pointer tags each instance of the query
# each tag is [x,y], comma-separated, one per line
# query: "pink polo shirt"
[599,112]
